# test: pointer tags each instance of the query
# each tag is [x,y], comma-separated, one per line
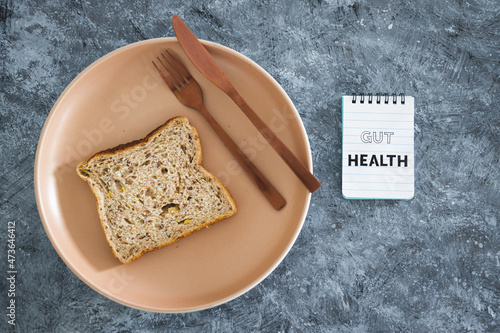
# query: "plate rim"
[42,209]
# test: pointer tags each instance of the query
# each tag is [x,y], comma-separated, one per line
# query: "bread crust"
[127,146]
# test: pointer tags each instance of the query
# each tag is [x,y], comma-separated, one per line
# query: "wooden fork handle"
[286,154]
[271,194]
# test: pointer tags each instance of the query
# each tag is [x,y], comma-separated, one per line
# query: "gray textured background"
[431,264]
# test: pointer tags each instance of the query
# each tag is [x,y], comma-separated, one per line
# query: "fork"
[189,93]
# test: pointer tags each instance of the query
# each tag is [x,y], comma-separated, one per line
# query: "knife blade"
[207,65]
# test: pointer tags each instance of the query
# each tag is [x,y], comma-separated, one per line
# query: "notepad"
[378,147]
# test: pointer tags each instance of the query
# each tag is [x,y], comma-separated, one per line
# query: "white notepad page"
[377,147]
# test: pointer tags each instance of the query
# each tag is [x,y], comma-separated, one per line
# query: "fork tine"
[164,77]
[173,77]
[180,68]
[178,75]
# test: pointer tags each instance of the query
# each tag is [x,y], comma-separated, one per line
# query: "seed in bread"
[153,192]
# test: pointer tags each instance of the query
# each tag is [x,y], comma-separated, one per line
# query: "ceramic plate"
[120,98]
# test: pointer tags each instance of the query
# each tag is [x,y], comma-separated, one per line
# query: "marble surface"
[431,264]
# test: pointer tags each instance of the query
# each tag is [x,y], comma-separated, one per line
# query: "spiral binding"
[378,99]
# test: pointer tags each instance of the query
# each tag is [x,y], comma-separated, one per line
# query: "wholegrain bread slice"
[152,192]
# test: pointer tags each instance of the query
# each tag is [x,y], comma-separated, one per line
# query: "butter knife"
[206,64]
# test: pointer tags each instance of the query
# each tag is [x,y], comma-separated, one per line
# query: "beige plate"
[120,98]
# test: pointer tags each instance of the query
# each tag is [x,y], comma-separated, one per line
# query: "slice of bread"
[154,191]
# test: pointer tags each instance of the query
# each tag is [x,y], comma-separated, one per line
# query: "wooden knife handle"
[286,154]
[271,194]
